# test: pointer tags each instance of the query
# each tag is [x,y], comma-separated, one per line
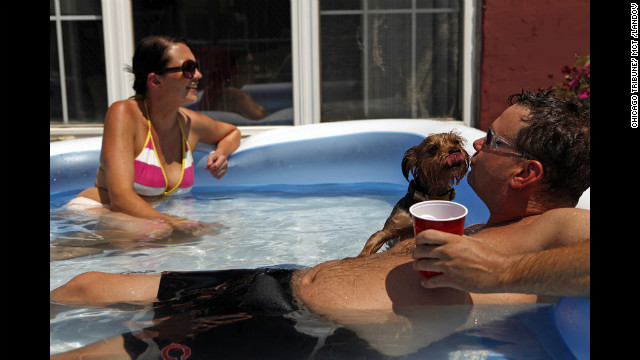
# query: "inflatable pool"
[347,153]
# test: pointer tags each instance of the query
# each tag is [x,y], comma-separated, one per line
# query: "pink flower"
[576,81]
[585,93]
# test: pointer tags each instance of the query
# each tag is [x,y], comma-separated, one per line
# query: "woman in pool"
[148,142]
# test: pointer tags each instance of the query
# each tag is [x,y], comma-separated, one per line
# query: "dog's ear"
[409,162]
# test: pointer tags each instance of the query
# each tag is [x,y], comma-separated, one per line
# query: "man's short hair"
[558,135]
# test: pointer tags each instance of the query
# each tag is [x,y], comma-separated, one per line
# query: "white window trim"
[305,49]
[118,48]
[470,62]
[62,72]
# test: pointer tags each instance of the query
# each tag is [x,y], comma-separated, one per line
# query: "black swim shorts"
[239,314]
[225,290]
[203,310]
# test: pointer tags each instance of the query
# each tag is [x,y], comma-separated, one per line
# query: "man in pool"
[530,170]
[561,143]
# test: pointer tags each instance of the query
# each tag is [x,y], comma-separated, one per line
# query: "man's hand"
[470,265]
[466,263]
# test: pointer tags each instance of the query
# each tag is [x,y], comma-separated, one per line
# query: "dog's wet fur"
[436,164]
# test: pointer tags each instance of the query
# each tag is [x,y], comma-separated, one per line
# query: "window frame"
[305,27]
[305,46]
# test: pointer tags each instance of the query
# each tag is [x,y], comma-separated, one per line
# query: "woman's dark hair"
[558,135]
[150,55]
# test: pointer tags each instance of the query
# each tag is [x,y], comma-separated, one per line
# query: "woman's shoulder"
[122,113]
[194,116]
[202,123]
[129,105]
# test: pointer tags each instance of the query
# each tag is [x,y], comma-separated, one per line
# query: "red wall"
[525,44]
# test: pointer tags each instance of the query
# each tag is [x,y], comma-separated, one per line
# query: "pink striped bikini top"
[149,176]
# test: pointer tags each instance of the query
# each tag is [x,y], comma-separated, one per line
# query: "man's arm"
[470,265]
[564,271]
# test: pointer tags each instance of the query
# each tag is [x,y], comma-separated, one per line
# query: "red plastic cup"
[446,216]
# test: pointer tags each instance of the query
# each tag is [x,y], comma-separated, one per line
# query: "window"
[300,61]
[244,49]
[77,67]
[390,59]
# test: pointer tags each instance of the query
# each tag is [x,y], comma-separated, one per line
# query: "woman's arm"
[226,138]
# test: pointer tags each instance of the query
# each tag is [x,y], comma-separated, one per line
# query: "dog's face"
[438,161]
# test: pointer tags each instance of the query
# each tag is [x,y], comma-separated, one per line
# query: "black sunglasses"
[188,69]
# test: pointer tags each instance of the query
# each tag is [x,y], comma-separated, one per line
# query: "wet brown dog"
[436,164]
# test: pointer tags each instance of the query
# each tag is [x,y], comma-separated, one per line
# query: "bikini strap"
[184,138]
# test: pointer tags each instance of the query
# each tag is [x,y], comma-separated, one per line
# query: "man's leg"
[98,289]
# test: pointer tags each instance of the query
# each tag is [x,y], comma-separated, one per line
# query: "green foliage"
[577,82]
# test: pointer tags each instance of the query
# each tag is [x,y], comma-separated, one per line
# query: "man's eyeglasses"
[496,142]
[188,69]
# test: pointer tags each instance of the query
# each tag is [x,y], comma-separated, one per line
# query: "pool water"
[292,227]
[260,226]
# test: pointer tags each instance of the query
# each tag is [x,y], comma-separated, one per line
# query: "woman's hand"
[217,164]
[193,227]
